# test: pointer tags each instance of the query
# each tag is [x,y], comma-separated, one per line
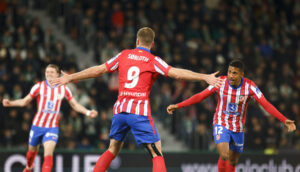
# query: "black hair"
[238,64]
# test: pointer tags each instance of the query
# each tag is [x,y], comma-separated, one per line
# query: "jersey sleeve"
[256,93]
[161,66]
[260,98]
[35,90]
[113,63]
[197,97]
[68,93]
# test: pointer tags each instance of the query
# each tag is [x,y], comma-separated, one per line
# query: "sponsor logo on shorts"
[54,136]
[218,137]
[238,144]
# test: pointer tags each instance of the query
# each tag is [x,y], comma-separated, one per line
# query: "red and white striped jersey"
[232,103]
[48,103]
[138,69]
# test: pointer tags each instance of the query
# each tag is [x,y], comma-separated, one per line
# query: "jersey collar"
[242,81]
[142,48]
[49,84]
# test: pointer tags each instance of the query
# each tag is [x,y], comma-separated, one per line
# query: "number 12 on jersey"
[132,76]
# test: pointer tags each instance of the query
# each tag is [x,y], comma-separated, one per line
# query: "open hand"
[171,108]
[6,102]
[290,125]
[93,114]
[63,80]
[214,81]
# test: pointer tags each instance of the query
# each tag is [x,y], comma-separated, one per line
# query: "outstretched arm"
[91,72]
[185,74]
[81,109]
[19,102]
[192,100]
[274,112]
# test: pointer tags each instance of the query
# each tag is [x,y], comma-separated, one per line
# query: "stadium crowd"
[201,35]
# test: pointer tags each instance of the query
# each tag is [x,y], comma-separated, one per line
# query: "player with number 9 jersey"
[138,69]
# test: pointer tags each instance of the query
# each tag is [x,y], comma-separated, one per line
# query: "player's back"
[138,69]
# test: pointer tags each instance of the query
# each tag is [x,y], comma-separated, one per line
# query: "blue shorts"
[39,135]
[235,139]
[142,128]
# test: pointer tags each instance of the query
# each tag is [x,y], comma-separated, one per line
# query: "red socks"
[230,168]
[159,164]
[48,163]
[222,165]
[106,158]
[30,156]
[104,162]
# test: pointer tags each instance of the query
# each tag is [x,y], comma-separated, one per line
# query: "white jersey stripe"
[54,101]
[243,107]
[121,107]
[116,106]
[221,104]
[146,108]
[62,92]
[36,118]
[68,91]
[137,108]
[227,104]
[112,59]
[237,102]
[114,67]
[34,89]
[44,114]
[158,70]
[129,106]
[160,61]
[210,87]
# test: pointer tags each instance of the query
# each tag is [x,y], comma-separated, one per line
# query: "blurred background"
[200,35]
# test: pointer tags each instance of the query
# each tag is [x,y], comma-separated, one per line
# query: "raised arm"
[274,112]
[192,100]
[19,102]
[91,72]
[185,74]
[81,109]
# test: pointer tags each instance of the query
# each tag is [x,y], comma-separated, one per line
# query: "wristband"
[88,113]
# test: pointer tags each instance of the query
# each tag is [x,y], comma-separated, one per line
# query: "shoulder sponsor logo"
[258,92]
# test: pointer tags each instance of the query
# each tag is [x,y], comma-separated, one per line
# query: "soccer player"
[138,69]
[230,115]
[44,128]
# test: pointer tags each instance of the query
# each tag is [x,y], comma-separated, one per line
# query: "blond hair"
[146,36]
[54,67]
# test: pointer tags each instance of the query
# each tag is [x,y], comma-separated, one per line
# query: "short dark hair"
[146,36]
[53,66]
[238,64]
